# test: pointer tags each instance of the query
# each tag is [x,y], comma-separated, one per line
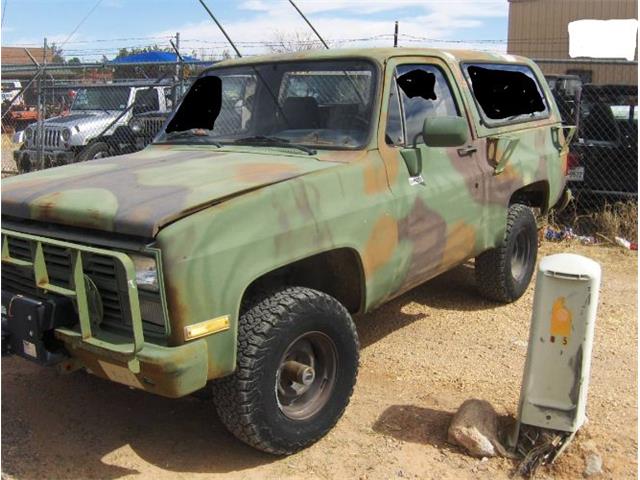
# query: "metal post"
[233,45]
[310,25]
[179,72]
[40,129]
[395,36]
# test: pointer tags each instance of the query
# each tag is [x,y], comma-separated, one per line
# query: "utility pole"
[395,36]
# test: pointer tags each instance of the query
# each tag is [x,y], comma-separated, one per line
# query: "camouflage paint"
[224,217]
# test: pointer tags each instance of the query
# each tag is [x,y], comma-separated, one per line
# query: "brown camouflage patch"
[381,244]
[461,241]
[426,230]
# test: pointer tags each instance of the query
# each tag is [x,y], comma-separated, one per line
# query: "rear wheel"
[504,273]
[297,365]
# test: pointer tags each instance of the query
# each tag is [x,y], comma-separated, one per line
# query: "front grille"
[151,126]
[51,138]
[105,272]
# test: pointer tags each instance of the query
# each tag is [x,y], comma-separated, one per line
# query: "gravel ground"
[423,354]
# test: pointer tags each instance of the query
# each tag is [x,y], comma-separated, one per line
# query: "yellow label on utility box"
[560,319]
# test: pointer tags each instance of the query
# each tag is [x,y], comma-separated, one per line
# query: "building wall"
[17,55]
[538,29]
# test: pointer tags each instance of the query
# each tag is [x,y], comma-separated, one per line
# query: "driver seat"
[301,113]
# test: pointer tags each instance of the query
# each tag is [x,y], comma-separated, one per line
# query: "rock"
[594,465]
[475,428]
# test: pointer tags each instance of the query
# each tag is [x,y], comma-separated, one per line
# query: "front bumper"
[168,371]
[127,359]
[27,159]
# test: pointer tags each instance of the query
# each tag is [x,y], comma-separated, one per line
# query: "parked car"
[95,126]
[604,155]
[9,90]
[285,194]
[145,126]
[566,90]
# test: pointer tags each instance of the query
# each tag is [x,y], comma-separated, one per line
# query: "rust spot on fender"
[178,313]
[381,244]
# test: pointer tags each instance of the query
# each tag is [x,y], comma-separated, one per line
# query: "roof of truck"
[376,54]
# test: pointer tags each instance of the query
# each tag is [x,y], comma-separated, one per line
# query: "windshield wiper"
[190,134]
[263,140]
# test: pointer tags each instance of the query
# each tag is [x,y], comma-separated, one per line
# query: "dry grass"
[6,154]
[610,220]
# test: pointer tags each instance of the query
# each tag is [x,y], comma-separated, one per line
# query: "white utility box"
[556,374]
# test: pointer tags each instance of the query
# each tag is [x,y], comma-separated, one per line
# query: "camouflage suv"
[284,195]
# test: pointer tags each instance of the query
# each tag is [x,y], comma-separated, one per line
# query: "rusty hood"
[138,194]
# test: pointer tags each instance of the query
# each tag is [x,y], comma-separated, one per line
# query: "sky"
[114,24]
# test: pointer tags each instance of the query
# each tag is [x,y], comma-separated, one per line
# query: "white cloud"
[345,21]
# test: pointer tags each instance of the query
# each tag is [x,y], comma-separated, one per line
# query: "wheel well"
[337,273]
[534,195]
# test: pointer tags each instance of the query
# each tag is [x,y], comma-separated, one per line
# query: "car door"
[440,210]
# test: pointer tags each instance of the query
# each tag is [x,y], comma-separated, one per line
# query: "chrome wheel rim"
[306,375]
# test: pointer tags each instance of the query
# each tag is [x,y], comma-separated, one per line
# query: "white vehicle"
[10,89]
[96,125]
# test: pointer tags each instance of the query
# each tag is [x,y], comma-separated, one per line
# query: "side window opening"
[394,134]
[146,101]
[424,92]
[506,92]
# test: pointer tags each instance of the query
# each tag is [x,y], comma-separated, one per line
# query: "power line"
[4,12]
[81,22]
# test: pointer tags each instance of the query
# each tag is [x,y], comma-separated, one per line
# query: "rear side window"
[506,93]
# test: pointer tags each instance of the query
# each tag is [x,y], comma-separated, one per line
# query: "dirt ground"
[422,355]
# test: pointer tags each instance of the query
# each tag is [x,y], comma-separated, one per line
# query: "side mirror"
[445,131]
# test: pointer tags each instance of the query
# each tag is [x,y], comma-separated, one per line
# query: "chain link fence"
[599,97]
[59,114]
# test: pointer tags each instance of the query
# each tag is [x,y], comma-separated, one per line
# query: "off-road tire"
[495,274]
[247,401]
[91,150]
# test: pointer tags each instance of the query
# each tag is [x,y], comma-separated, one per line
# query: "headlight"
[66,134]
[146,272]
[28,133]
[136,125]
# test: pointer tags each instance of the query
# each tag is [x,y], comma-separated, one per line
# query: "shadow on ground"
[74,426]
[410,423]
[454,290]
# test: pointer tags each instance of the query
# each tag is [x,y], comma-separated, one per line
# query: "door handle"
[468,150]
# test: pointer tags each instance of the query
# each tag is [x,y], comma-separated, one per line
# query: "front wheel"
[94,151]
[297,366]
[503,273]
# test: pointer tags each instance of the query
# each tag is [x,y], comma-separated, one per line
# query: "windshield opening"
[323,104]
[103,98]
